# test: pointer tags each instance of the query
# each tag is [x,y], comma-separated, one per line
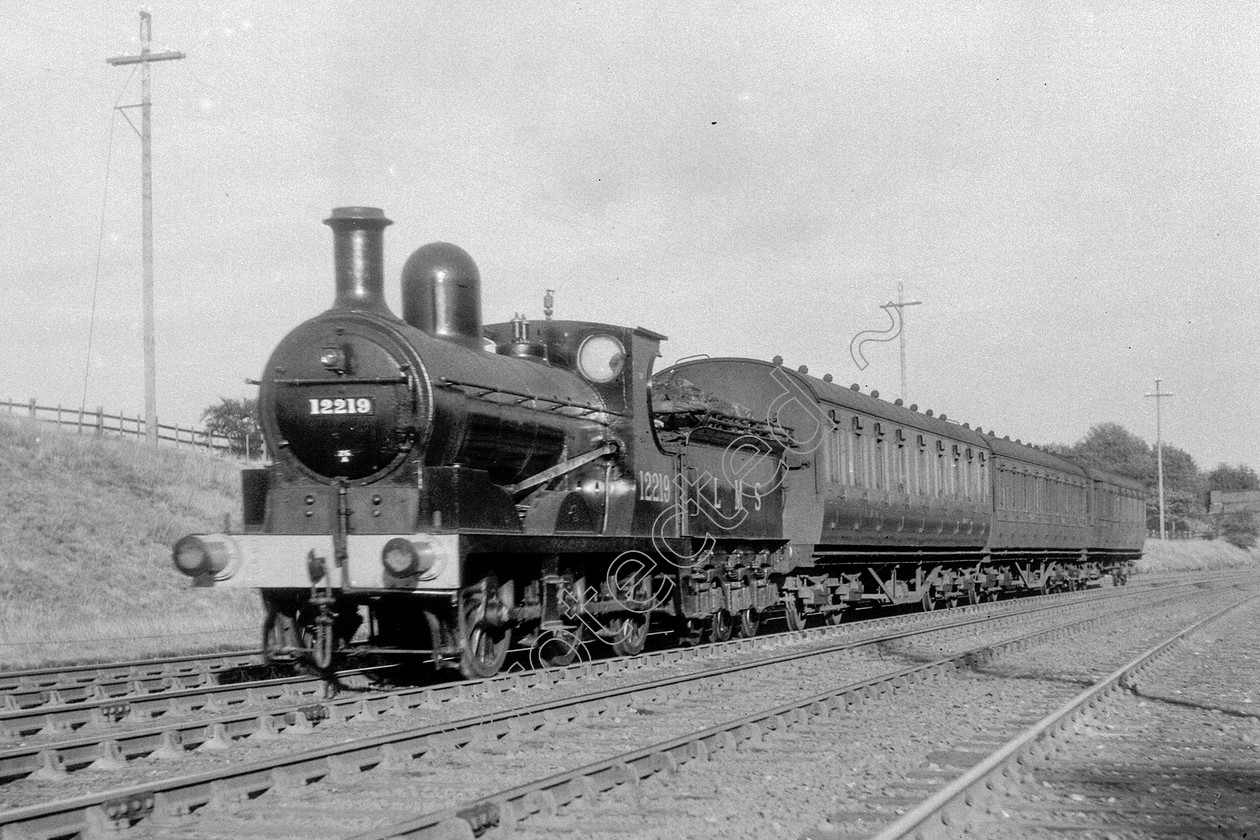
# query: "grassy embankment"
[1193,556]
[85,546]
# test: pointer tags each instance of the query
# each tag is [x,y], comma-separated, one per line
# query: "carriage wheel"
[749,623]
[793,615]
[631,633]
[839,616]
[720,626]
[929,603]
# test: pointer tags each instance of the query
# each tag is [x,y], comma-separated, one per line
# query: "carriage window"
[905,479]
[881,465]
[942,477]
[955,474]
[857,455]
[835,457]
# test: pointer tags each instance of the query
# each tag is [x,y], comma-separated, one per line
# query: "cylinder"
[357,257]
[441,290]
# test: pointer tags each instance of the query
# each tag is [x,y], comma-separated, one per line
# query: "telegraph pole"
[1159,451]
[901,305]
[146,212]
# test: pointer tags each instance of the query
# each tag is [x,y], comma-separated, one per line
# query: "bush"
[1237,528]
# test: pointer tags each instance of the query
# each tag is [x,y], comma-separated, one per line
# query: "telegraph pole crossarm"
[146,58]
[900,305]
[1159,450]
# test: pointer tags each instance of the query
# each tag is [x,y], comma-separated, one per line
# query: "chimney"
[357,248]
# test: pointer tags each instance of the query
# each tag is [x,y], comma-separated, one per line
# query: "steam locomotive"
[451,490]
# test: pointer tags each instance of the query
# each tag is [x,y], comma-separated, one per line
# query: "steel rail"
[109,750]
[504,808]
[114,689]
[19,723]
[73,677]
[944,813]
[121,808]
[69,676]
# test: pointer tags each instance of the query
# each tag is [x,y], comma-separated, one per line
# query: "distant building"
[1234,501]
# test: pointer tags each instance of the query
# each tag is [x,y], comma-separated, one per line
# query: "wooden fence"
[99,423]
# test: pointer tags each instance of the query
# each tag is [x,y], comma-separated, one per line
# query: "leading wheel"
[280,635]
[485,640]
[558,648]
[630,634]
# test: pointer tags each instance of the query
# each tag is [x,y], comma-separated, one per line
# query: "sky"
[1069,188]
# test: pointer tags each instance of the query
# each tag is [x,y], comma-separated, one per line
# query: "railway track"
[153,804]
[46,689]
[1161,747]
[771,754]
[173,723]
[214,698]
[73,683]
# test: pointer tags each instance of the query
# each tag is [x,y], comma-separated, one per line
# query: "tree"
[1060,449]
[1225,477]
[1112,447]
[236,420]
[1184,491]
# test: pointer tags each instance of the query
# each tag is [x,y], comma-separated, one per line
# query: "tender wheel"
[630,633]
[720,626]
[749,623]
[793,615]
